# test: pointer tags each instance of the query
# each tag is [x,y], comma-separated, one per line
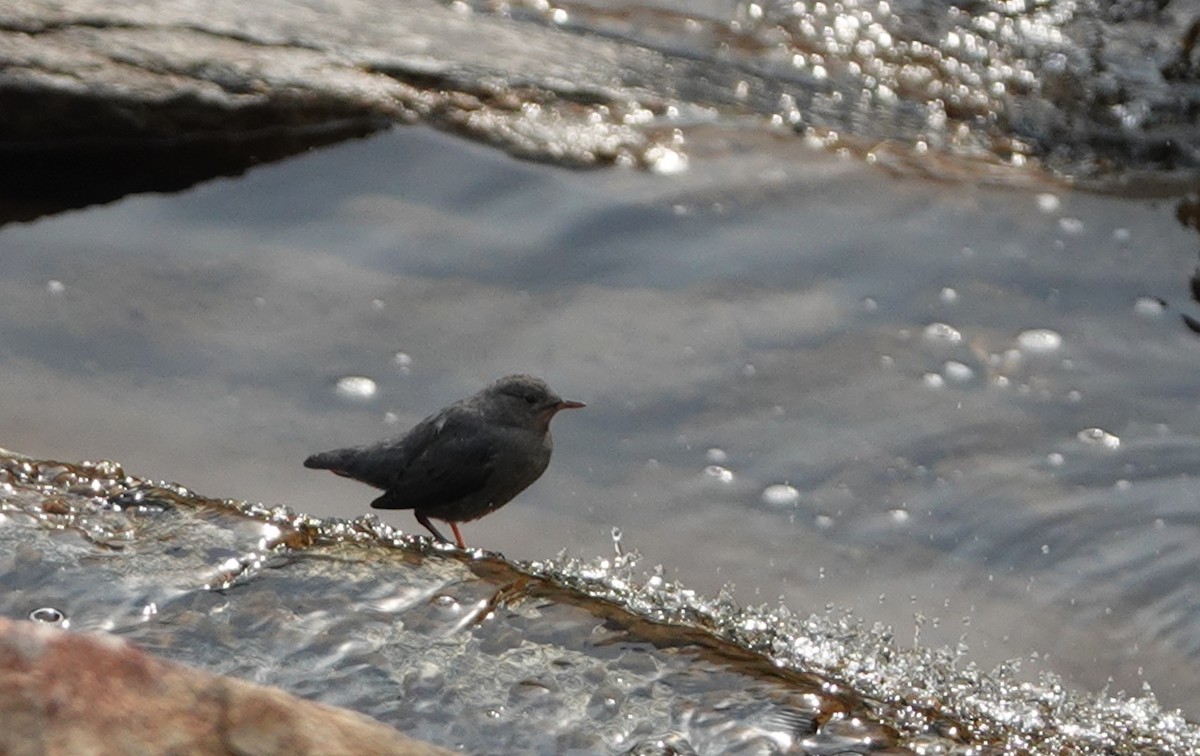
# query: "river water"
[957,399]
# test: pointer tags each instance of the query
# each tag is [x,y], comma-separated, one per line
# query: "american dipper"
[462,462]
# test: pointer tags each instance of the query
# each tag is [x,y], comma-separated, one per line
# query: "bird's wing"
[449,458]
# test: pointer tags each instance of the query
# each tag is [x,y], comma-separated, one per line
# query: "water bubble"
[378,304]
[943,332]
[1072,226]
[869,304]
[56,287]
[899,515]
[948,295]
[749,371]
[958,372]
[446,605]
[780,495]
[1123,484]
[716,456]
[1054,459]
[1098,437]
[1045,548]
[721,474]
[666,161]
[1149,307]
[48,615]
[1040,340]
[356,387]
[1122,234]
[403,362]
[1048,203]
[390,418]
[933,380]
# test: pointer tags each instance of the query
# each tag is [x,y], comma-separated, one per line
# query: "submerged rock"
[70,693]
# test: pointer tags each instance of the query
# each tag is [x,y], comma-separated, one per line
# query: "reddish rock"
[94,695]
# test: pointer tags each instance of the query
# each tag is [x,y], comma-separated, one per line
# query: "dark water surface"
[967,412]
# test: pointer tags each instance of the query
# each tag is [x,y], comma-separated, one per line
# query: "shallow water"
[472,651]
[779,317]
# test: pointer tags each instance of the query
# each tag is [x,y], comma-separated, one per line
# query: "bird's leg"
[429,526]
[458,536]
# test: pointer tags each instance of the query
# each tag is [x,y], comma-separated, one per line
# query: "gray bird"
[462,462]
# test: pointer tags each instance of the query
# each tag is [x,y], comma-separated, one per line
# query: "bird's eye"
[530,399]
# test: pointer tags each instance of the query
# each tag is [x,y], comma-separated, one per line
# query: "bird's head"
[524,401]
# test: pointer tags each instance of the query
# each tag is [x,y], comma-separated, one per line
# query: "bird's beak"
[568,404]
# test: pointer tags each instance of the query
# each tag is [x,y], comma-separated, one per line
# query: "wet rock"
[99,99]
[73,693]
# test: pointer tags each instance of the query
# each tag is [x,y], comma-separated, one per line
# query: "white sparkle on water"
[1149,307]
[1039,340]
[780,495]
[356,387]
[943,332]
[958,372]
[1048,203]
[1098,437]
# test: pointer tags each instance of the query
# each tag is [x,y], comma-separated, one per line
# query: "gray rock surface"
[99,100]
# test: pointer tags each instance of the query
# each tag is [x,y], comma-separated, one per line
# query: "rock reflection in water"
[471,651]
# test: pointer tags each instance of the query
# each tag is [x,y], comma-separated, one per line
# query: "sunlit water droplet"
[716,456]
[958,372]
[1099,437]
[1048,203]
[403,362]
[780,495]
[933,380]
[48,615]
[666,161]
[1072,226]
[721,474]
[56,287]
[943,332]
[1149,307]
[1039,340]
[948,295]
[445,605]
[356,387]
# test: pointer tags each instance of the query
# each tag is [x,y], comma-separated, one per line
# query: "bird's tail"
[355,463]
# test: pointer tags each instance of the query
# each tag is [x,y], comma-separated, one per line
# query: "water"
[469,650]
[950,394]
